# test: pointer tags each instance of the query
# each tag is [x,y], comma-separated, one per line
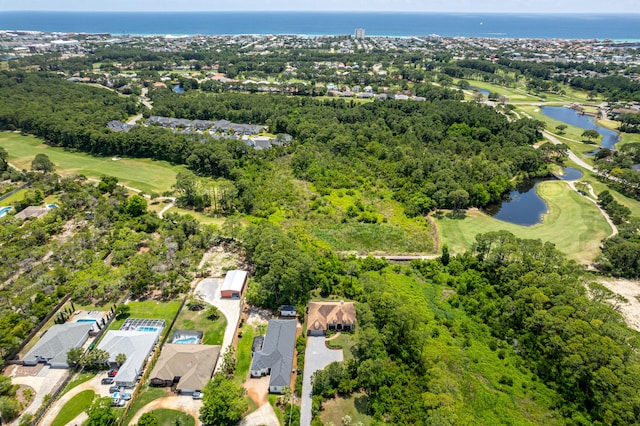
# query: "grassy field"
[394,232]
[145,396]
[150,309]
[197,320]
[514,94]
[573,224]
[346,342]
[74,407]
[243,353]
[355,406]
[144,174]
[173,417]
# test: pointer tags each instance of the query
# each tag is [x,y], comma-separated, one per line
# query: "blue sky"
[492,6]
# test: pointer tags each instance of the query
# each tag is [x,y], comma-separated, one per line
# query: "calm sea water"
[575,26]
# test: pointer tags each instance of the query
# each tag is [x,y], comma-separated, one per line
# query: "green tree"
[9,408]
[136,206]
[4,156]
[590,134]
[101,413]
[74,355]
[223,402]
[42,163]
[149,419]
[122,311]
[561,128]
[121,359]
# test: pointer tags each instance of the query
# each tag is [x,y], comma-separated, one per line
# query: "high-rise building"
[360,33]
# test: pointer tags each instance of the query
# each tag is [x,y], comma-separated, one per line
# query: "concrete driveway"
[263,416]
[42,380]
[209,290]
[316,357]
[91,384]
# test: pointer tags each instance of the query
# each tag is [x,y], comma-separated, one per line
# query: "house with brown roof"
[336,316]
[188,367]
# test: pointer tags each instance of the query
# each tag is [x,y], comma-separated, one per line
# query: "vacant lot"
[573,224]
[144,174]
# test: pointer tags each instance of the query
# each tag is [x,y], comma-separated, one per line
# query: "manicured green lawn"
[514,95]
[346,342]
[173,417]
[78,380]
[145,396]
[243,352]
[197,320]
[74,407]
[355,406]
[144,174]
[150,309]
[573,224]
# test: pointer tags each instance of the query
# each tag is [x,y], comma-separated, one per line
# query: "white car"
[197,395]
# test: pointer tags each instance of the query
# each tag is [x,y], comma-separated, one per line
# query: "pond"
[523,206]
[586,122]
[477,89]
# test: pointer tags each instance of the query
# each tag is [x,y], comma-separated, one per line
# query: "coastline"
[617,28]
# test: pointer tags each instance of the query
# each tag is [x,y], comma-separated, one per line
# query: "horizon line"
[325,11]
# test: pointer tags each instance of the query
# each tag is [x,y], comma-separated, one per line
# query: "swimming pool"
[5,210]
[152,329]
[86,320]
[192,340]
[52,206]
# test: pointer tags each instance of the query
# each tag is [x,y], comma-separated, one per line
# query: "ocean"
[574,26]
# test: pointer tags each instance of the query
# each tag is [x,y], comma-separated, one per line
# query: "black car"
[114,389]
[107,381]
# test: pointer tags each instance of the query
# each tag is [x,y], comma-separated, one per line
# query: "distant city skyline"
[454,6]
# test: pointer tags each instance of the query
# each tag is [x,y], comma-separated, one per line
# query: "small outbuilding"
[288,311]
[233,284]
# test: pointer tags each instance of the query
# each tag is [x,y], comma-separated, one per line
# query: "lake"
[570,116]
[523,206]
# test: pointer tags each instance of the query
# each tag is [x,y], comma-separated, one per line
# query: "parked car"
[197,395]
[107,381]
[114,389]
[112,373]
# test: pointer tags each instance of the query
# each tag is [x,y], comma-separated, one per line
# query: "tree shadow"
[457,214]
[362,404]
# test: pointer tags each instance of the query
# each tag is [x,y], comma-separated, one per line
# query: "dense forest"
[412,147]
[539,313]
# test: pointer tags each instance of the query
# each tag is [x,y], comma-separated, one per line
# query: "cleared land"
[144,174]
[573,224]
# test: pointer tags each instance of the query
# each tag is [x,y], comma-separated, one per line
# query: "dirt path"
[631,291]
[184,404]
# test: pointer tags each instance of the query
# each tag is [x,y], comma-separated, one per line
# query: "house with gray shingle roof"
[53,346]
[276,356]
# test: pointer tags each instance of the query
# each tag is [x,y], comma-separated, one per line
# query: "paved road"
[572,156]
[316,357]
[209,290]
